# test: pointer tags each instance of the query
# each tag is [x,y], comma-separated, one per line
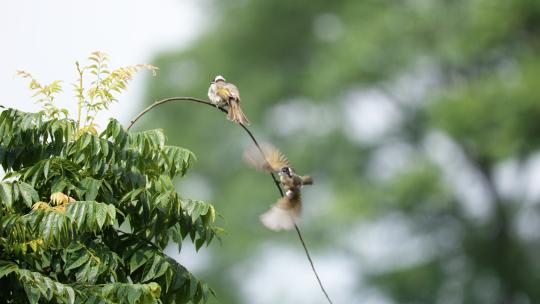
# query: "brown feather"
[273,161]
[236,115]
[291,201]
[276,159]
[284,213]
[307,180]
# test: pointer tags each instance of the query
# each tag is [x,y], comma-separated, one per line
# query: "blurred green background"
[420,122]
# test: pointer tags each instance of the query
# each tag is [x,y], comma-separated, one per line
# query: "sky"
[45,38]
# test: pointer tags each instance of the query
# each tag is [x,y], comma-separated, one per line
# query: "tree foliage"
[85,216]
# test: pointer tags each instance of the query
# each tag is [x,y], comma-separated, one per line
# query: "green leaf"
[37,285]
[46,168]
[53,228]
[199,243]
[32,293]
[7,268]
[86,138]
[210,217]
[134,295]
[6,194]
[91,216]
[157,269]
[101,216]
[60,185]
[77,259]
[195,208]
[139,258]
[91,188]
[28,194]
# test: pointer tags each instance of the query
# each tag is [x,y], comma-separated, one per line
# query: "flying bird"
[284,213]
[221,94]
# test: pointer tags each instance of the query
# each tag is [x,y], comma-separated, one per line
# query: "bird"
[221,94]
[286,211]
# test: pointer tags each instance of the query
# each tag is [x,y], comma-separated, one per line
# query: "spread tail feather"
[278,219]
[283,215]
[236,115]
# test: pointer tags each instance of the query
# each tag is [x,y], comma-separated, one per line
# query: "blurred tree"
[457,85]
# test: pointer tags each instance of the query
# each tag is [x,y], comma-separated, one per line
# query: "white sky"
[47,37]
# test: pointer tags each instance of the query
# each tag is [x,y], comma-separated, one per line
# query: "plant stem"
[81,97]
[160,102]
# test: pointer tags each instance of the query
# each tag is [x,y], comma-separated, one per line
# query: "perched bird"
[222,93]
[284,213]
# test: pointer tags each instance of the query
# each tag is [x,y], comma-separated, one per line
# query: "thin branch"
[311,262]
[160,102]
[276,182]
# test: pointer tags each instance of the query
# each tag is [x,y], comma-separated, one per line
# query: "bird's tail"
[236,115]
[307,180]
[283,215]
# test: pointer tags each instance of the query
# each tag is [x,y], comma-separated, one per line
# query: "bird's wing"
[272,161]
[275,158]
[223,92]
[233,91]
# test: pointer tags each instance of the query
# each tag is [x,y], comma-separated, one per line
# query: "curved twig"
[311,263]
[160,102]
[276,182]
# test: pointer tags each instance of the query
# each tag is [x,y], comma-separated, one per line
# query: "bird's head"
[287,170]
[218,78]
